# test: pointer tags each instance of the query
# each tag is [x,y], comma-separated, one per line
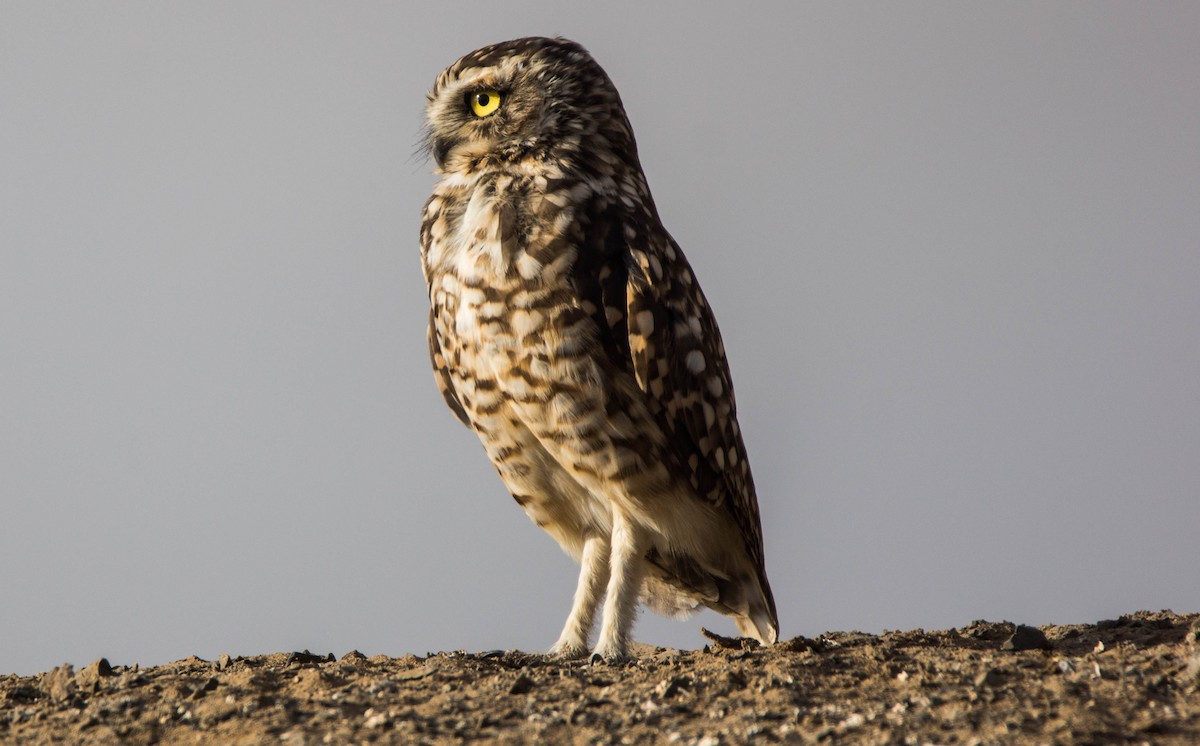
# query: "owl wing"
[679,361]
[661,329]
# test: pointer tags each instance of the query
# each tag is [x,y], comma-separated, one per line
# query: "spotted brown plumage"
[569,332]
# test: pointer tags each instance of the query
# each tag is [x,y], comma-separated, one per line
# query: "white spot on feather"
[528,266]
[525,322]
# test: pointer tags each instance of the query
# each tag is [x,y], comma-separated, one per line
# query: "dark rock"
[89,677]
[206,687]
[986,631]
[1026,638]
[668,688]
[307,657]
[522,685]
[990,677]
[23,694]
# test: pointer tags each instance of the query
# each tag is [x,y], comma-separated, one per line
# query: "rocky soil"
[1131,680]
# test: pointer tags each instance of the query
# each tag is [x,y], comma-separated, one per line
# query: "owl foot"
[609,654]
[569,649]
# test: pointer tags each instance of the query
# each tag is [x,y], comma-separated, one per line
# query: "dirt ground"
[1131,680]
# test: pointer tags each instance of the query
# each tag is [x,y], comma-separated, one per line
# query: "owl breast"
[519,351]
[566,426]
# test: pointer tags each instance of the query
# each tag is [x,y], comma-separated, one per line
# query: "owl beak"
[441,148]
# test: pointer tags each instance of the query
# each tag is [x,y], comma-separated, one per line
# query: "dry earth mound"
[1135,679]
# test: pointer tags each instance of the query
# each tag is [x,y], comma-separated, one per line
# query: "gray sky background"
[954,250]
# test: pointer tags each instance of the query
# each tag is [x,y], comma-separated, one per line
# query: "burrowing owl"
[568,331]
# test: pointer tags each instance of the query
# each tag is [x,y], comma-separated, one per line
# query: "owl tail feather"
[677,585]
[757,617]
[758,625]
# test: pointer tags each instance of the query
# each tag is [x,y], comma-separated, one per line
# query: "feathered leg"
[627,567]
[593,576]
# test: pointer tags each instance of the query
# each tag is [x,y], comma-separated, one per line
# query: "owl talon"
[609,655]
[609,659]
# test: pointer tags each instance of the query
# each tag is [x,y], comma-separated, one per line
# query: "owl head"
[535,98]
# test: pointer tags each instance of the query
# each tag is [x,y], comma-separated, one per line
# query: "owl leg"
[628,567]
[593,576]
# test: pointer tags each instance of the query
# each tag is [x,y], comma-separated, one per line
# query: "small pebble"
[375,719]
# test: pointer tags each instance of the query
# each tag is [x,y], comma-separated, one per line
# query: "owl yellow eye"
[484,103]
